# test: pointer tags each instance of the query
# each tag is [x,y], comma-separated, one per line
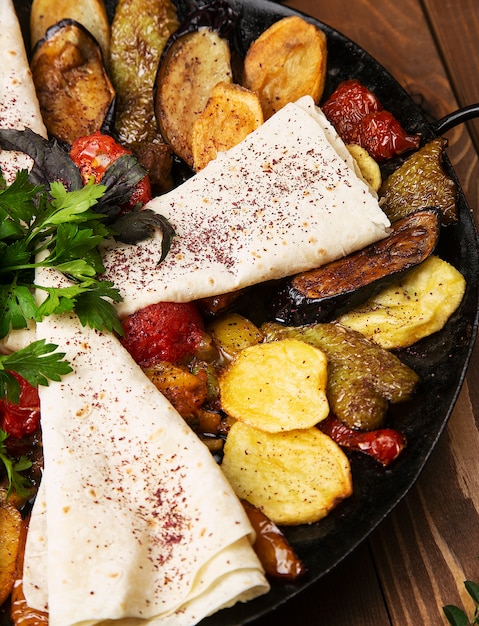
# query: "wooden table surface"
[418,558]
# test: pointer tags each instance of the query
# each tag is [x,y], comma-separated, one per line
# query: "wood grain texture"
[455,26]
[417,559]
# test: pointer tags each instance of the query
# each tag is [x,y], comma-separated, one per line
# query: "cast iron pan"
[440,360]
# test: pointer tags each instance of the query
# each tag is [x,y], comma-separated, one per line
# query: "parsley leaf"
[13,468]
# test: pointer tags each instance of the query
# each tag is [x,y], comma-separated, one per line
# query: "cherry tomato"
[167,331]
[383,136]
[383,444]
[350,102]
[22,419]
[94,153]
[359,117]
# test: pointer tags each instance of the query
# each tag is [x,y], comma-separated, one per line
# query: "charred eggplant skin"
[72,85]
[325,293]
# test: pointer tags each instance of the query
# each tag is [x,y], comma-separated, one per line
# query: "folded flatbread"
[135,521]
[286,199]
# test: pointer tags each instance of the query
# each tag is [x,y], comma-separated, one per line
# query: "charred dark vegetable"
[421,181]
[327,292]
[363,378]
[73,88]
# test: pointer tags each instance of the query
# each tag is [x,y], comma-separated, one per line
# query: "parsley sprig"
[54,229]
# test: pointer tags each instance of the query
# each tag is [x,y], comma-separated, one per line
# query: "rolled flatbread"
[19,106]
[135,521]
[286,199]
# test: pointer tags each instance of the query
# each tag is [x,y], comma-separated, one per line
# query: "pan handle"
[456,117]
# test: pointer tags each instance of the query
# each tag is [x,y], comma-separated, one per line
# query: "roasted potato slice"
[192,65]
[276,386]
[294,477]
[10,532]
[417,306]
[72,85]
[90,13]
[233,333]
[231,113]
[287,61]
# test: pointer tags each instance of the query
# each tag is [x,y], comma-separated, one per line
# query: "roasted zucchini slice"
[72,85]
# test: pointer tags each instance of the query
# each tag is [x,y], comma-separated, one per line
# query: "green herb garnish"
[13,468]
[456,616]
[54,229]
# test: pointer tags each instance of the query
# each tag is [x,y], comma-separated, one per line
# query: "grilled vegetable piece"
[186,391]
[10,531]
[231,113]
[276,386]
[287,61]
[20,613]
[384,445]
[139,33]
[325,293]
[294,477]
[191,66]
[273,549]
[417,306]
[369,168]
[90,13]
[232,333]
[73,88]
[363,378]
[421,181]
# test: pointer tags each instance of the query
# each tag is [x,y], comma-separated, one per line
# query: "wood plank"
[455,26]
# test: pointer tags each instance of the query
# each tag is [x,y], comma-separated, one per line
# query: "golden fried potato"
[233,333]
[369,167]
[277,386]
[90,13]
[294,477]
[192,66]
[231,113]
[287,61]
[411,309]
[10,531]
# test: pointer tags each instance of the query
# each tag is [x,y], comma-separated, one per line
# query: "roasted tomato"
[20,420]
[167,331]
[94,153]
[384,444]
[359,117]
[347,106]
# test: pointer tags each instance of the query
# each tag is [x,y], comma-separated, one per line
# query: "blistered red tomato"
[347,105]
[22,419]
[167,331]
[383,444]
[94,153]
[359,117]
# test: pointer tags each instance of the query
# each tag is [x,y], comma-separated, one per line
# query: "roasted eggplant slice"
[329,291]
[90,13]
[193,65]
[73,88]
